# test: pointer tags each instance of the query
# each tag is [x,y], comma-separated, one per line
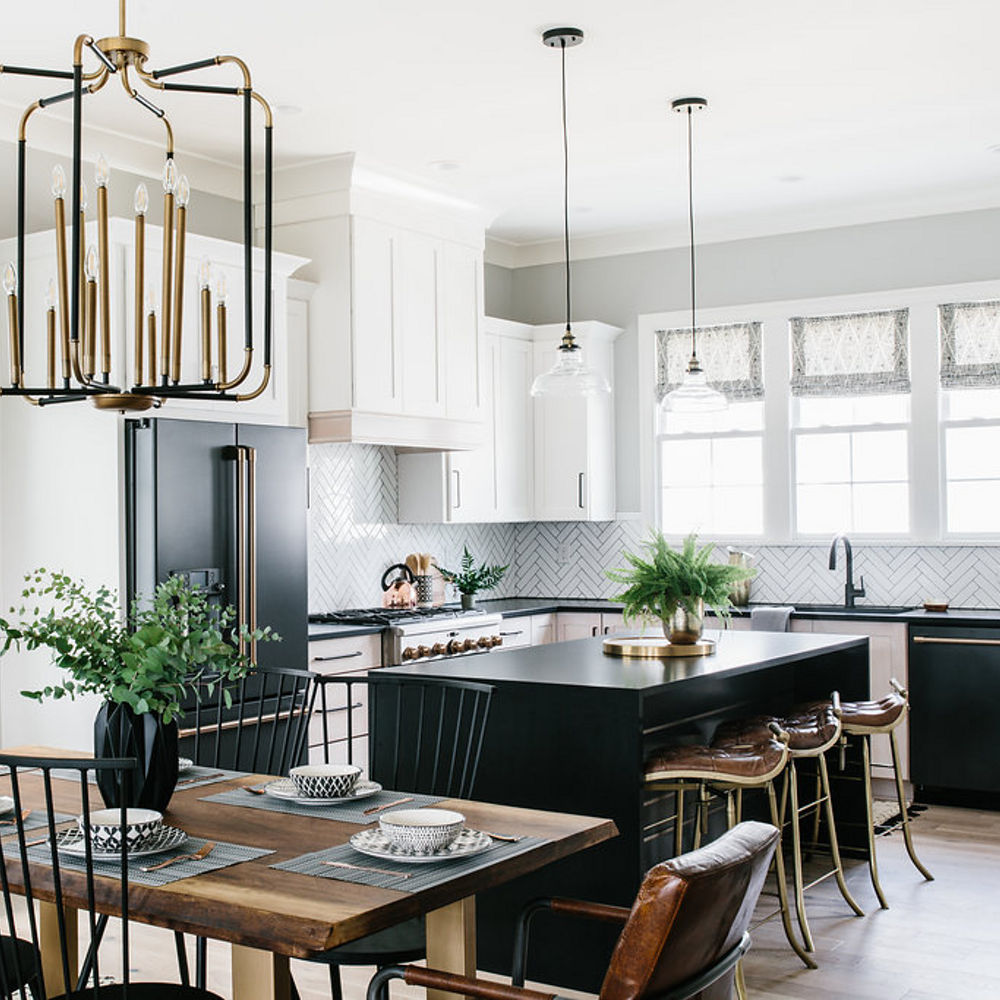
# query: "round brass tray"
[655,646]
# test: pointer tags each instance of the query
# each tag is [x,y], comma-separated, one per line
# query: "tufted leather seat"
[753,763]
[812,729]
[879,716]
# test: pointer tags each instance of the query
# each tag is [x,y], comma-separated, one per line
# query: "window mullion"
[926,460]
[777,432]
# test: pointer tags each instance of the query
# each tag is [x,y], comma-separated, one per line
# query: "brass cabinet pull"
[241,546]
[955,642]
[246,544]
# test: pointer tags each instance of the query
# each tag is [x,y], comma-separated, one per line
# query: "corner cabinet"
[574,441]
[492,482]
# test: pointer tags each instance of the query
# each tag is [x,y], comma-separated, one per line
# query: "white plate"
[284,788]
[71,842]
[377,845]
[6,805]
[184,764]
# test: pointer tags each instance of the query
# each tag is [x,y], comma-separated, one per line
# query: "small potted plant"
[143,667]
[469,580]
[675,586]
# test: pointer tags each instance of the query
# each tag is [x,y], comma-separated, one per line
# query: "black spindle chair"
[263,729]
[48,879]
[429,740]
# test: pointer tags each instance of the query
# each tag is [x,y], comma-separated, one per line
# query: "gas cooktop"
[390,616]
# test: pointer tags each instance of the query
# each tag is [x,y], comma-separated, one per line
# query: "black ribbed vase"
[119,732]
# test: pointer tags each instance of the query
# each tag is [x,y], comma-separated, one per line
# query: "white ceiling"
[820,113]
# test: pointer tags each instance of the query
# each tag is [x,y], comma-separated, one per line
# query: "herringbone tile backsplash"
[354,536]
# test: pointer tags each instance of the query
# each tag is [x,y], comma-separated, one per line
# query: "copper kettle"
[400,591]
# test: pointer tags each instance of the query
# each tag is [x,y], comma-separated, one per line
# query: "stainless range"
[414,634]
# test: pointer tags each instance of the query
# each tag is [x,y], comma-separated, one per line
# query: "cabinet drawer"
[515,632]
[345,655]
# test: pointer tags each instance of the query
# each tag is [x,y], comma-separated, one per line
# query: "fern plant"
[470,579]
[668,579]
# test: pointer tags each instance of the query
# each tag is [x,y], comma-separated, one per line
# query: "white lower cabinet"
[515,632]
[888,658]
[543,629]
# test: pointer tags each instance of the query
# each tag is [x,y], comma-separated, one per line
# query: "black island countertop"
[582,663]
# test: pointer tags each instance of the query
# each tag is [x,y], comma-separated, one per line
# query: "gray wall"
[905,253]
[210,215]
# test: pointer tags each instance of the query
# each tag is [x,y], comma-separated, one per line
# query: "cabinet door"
[613,623]
[460,296]
[543,629]
[561,459]
[473,481]
[513,427]
[376,357]
[577,625]
[416,261]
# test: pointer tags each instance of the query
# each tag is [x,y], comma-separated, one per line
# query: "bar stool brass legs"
[865,719]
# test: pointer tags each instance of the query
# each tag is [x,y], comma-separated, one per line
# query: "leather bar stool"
[866,719]
[812,730]
[728,770]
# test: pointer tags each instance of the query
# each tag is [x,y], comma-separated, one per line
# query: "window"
[970,383]
[711,467]
[850,423]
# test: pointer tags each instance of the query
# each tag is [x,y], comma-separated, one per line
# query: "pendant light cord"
[694,344]
[565,130]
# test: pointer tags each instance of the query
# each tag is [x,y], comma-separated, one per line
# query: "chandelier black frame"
[118,55]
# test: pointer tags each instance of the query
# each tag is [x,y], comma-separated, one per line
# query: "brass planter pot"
[684,627]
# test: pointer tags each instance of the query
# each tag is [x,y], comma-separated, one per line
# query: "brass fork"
[203,852]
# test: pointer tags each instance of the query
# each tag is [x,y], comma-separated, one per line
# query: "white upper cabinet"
[395,346]
[492,482]
[574,453]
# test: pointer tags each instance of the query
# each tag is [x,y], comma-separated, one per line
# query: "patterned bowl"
[421,831]
[324,781]
[106,831]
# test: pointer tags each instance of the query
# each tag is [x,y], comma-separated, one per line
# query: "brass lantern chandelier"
[78,346]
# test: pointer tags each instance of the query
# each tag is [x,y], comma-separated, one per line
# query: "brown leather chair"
[682,938]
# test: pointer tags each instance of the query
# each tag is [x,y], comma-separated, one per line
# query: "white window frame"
[926,429]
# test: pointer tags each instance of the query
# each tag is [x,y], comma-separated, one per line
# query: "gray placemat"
[346,813]
[410,877]
[38,819]
[223,856]
[194,777]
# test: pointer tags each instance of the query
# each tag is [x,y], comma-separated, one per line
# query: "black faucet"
[850,591]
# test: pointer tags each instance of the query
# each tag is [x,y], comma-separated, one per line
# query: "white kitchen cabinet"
[887,644]
[543,629]
[492,482]
[515,632]
[577,625]
[574,437]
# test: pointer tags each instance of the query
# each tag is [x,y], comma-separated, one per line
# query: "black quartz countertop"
[583,662]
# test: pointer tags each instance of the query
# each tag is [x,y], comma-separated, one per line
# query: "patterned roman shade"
[855,354]
[729,355]
[970,344]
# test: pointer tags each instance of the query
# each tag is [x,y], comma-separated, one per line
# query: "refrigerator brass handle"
[252,545]
[955,642]
[241,547]
[338,656]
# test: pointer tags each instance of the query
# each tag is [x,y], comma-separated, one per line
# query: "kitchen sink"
[858,611]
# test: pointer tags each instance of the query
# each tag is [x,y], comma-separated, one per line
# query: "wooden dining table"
[269,915]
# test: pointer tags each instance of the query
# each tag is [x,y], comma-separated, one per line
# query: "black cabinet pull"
[520,631]
[338,656]
[579,495]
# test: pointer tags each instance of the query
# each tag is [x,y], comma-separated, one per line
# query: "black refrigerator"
[224,505]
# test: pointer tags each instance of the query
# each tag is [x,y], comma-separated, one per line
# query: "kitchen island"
[569,730]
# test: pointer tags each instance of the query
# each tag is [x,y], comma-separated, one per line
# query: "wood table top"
[254,905]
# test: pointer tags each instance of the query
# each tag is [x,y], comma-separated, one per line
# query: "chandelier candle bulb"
[62,271]
[169,185]
[10,289]
[221,294]
[50,331]
[102,176]
[141,207]
[205,284]
[183,196]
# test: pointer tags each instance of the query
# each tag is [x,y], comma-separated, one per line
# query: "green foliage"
[469,579]
[151,662]
[669,579]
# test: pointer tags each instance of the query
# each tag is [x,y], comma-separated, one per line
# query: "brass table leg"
[260,975]
[51,945]
[451,942]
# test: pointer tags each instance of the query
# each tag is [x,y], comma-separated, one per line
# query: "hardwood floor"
[938,941]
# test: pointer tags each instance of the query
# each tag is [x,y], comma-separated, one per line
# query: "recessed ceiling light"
[791,178]
[288,110]
[444,165]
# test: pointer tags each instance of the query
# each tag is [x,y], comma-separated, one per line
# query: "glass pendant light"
[694,394]
[569,376]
